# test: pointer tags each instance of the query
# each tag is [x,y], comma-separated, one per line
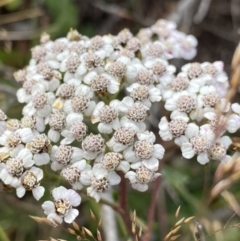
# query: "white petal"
[105,128]
[158,151]
[140,187]
[226,141]
[48,207]
[20,191]
[123,166]
[38,192]
[187,150]
[236,108]
[55,219]
[25,154]
[73,197]
[113,178]
[45,111]
[89,77]
[41,159]
[26,134]
[92,193]
[59,192]
[53,135]
[203,158]
[152,164]
[72,214]
[170,105]
[192,130]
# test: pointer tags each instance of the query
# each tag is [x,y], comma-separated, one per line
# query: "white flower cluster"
[200,115]
[73,87]
[178,44]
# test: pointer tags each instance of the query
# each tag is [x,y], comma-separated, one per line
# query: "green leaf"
[178,181]
[64,14]
[3,235]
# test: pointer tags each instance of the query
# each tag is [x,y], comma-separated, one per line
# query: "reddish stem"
[123,205]
[151,210]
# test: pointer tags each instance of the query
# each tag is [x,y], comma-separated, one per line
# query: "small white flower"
[15,139]
[99,180]
[56,121]
[162,71]
[30,181]
[102,83]
[107,115]
[207,101]
[198,142]
[69,65]
[40,146]
[35,123]
[219,150]
[73,172]
[135,114]
[62,207]
[65,92]
[39,105]
[92,146]
[64,155]
[182,101]
[75,129]
[59,49]
[215,72]
[141,177]
[174,129]
[195,73]
[145,94]
[155,50]
[101,46]
[15,167]
[145,152]
[122,138]
[90,62]
[113,161]
[179,83]
[81,101]
[185,46]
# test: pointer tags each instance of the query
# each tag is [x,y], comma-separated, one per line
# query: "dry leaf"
[175,230]
[179,222]
[41,220]
[177,212]
[71,231]
[92,215]
[187,220]
[175,237]
[75,225]
[88,232]
[99,237]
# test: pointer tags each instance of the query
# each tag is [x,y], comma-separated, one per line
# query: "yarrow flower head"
[96,97]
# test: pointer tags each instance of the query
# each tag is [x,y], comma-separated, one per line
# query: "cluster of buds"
[72,88]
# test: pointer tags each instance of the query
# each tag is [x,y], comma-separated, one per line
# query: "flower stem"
[151,211]
[123,205]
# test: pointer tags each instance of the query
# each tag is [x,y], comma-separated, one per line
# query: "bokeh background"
[184,183]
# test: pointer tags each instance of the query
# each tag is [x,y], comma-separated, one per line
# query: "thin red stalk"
[151,210]
[161,212]
[123,205]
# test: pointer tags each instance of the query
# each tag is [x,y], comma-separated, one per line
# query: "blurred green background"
[184,182]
